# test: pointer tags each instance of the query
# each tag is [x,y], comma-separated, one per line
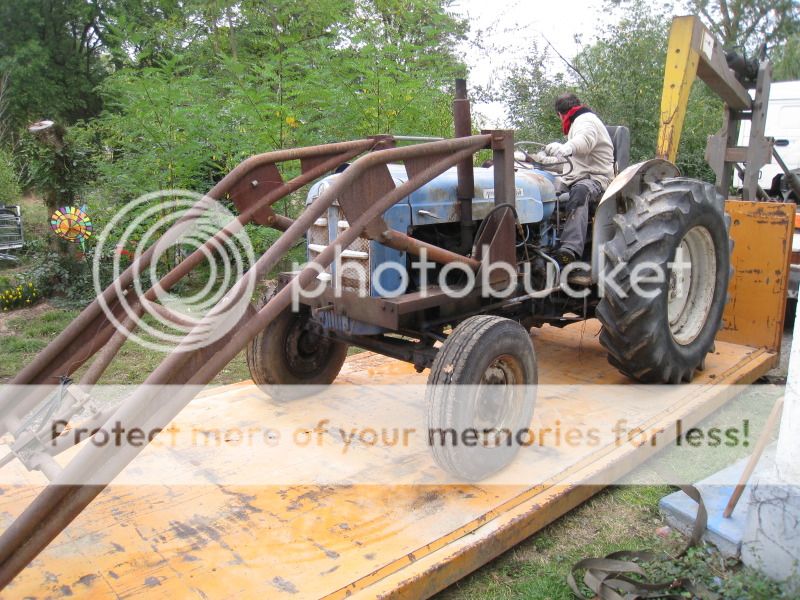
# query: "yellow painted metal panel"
[312,541]
[680,71]
[762,245]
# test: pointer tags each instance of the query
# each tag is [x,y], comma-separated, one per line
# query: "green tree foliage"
[747,24]
[396,70]
[51,55]
[529,93]
[786,60]
[274,75]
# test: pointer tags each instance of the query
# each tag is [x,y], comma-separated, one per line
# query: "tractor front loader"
[383,202]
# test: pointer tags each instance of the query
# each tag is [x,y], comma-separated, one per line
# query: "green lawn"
[24,332]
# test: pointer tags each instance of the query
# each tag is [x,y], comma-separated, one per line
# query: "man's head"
[566,101]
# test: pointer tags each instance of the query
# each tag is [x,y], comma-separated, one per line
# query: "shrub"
[18,296]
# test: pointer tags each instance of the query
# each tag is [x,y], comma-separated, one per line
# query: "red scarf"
[569,117]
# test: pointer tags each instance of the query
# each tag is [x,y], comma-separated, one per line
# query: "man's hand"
[542,158]
[549,163]
[557,149]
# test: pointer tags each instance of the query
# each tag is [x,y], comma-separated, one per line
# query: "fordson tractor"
[453,273]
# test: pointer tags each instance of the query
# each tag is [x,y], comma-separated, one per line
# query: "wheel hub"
[305,351]
[691,284]
[496,396]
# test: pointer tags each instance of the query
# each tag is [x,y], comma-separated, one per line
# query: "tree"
[529,92]
[277,74]
[51,55]
[396,70]
[747,24]
[786,60]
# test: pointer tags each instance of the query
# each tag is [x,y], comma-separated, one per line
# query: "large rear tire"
[480,396]
[288,354]
[677,227]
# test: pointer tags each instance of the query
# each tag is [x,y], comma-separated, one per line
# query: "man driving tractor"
[591,152]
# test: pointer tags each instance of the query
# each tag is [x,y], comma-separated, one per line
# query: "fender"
[627,184]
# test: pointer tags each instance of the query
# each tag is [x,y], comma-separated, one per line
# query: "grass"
[23,333]
[618,518]
[626,517]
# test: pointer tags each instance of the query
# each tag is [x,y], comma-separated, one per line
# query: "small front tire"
[288,358]
[480,396]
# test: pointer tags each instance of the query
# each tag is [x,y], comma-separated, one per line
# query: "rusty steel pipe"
[406,243]
[462,122]
[112,347]
[58,504]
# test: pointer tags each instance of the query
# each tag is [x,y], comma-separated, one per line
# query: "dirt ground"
[22,313]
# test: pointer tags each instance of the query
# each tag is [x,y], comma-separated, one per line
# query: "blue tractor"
[453,270]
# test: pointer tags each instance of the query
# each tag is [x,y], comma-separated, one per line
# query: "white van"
[783,124]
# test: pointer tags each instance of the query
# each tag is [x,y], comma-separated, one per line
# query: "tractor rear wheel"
[480,396]
[665,281]
[287,357]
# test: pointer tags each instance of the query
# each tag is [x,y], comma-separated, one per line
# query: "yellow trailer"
[407,541]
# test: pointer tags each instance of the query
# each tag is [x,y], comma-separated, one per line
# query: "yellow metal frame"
[762,247]
[692,52]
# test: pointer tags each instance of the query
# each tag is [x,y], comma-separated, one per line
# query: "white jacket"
[592,151]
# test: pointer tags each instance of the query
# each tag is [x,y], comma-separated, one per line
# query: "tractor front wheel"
[287,357]
[480,396]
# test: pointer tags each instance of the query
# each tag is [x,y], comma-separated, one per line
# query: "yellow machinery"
[693,52]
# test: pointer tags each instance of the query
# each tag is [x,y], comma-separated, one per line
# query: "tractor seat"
[621,138]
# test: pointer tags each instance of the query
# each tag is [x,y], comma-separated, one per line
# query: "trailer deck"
[308,541]
[209,538]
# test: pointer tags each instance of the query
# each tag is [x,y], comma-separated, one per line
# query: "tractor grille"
[355,258]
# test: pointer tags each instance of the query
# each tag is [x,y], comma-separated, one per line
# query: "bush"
[17,296]
[68,280]
[9,182]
